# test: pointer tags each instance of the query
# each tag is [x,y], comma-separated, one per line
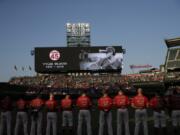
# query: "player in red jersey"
[174,106]
[21,116]
[140,103]
[67,116]
[105,105]
[84,104]
[5,117]
[51,106]
[158,104]
[36,106]
[121,102]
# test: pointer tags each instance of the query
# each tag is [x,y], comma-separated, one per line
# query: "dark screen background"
[69,55]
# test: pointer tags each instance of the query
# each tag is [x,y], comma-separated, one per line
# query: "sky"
[140,26]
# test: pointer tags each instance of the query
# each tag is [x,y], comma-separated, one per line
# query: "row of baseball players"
[105,104]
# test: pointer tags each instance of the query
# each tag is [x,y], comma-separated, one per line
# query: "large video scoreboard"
[69,59]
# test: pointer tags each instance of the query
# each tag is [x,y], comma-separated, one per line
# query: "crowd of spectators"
[159,77]
[173,76]
[86,81]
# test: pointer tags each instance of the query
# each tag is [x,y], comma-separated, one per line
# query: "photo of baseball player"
[106,59]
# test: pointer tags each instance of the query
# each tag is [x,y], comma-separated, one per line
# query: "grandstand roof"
[174,42]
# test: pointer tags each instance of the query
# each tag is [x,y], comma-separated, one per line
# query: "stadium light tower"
[78,34]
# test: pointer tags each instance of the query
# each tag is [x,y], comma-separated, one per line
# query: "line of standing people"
[105,104]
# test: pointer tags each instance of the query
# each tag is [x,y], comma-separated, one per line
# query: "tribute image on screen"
[106,59]
[67,59]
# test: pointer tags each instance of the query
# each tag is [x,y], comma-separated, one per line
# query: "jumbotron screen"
[68,59]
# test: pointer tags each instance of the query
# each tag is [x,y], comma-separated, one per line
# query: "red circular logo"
[54,55]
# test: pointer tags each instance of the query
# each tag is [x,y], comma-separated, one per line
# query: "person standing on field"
[21,116]
[51,106]
[121,102]
[84,103]
[140,103]
[105,106]
[67,115]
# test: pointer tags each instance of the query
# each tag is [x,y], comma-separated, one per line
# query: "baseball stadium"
[80,90]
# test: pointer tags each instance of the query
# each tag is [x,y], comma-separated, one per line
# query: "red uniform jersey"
[83,102]
[121,101]
[105,103]
[21,104]
[174,101]
[37,103]
[140,101]
[51,105]
[66,104]
[157,103]
[6,104]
